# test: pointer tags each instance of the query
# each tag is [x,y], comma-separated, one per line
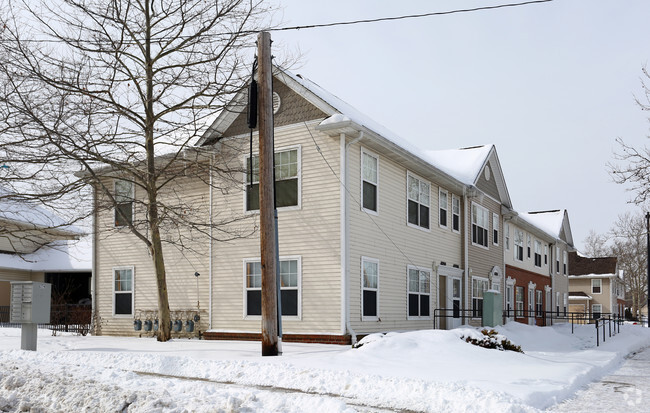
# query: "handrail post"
[597,333]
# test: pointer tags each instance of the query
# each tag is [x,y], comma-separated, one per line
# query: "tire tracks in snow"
[273,389]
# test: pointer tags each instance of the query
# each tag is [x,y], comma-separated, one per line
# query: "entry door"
[453,302]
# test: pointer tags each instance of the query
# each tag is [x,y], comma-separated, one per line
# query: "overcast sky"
[552,85]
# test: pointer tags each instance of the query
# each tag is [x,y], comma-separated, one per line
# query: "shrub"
[492,339]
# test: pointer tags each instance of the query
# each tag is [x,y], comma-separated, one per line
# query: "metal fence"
[74,318]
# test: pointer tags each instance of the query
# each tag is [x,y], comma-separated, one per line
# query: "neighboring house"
[596,286]
[537,244]
[374,235]
[36,245]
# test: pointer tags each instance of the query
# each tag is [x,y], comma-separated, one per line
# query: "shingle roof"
[584,266]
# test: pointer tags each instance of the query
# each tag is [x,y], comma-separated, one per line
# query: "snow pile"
[430,370]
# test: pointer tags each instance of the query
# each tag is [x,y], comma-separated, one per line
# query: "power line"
[302,27]
[411,16]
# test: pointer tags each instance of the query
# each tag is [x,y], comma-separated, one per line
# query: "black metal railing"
[74,318]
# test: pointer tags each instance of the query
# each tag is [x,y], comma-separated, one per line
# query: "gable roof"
[579,265]
[340,117]
[554,222]
[468,165]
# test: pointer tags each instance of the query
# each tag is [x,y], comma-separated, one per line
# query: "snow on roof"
[60,256]
[26,212]
[548,221]
[348,112]
[464,164]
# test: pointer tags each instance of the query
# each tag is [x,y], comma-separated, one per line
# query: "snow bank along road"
[421,371]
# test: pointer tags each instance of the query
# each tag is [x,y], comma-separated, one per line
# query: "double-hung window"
[418,201]
[369,181]
[289,287]
[495,229]
[369,288]
[538,303]
[557,260]
[531,301]
[565,264]
[528,245]
[545,254]
[419,286]
[455,213]
[443,204]
[519,300]
[123,203]
[287,180]
[479,286]
[538,253]
[596,286]
[519,245]
[480,225]
[123,291]
[507,235]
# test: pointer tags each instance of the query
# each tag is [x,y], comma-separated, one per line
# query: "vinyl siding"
[311,232]
[396,245]
[120,248]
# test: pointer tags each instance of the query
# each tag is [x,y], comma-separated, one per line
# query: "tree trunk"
[164,332]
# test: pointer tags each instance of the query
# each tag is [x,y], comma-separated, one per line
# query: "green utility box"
[492,308]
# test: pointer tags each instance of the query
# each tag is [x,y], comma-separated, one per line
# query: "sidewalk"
[625,390]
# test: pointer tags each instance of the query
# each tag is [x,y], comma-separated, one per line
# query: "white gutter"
[210,245]
[345,236]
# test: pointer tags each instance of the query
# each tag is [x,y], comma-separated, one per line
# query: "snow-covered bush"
[491,339]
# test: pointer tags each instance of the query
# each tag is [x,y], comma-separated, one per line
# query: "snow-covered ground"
[430,370]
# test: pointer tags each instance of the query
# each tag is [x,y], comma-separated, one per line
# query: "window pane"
[424,193]
[254,302]
[414,304]
[252,197]
[424,305]
[123,303]
[369,303]
[369,274]
[289,302]
[413,211]
[424,216]
[123,191]
[370,168]
[413,188]
[424,282]
[443,217]
[369,196]
[286,193]
[413,281]
[124,214]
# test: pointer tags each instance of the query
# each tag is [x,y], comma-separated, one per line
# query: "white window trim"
[497,228]
[115,205]
[446,208]
[487,283]
[376,261]
[471,222]
[125,267]
[245,296]
[408,173]
[454,198]
[518,231]
[537,243]
[299,172]
[408,269]
[592,285]
[374,155]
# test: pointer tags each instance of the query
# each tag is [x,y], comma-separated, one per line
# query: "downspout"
[93,275]
[467,214]
[210,245]
[551,247]
[345,236]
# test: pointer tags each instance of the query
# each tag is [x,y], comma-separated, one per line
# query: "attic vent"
[487,173]
[276,103]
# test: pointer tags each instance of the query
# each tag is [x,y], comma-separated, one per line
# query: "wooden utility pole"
[268,231]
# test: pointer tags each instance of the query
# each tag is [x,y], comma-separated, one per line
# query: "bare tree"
[628,236]
[121,90]
[596,245]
